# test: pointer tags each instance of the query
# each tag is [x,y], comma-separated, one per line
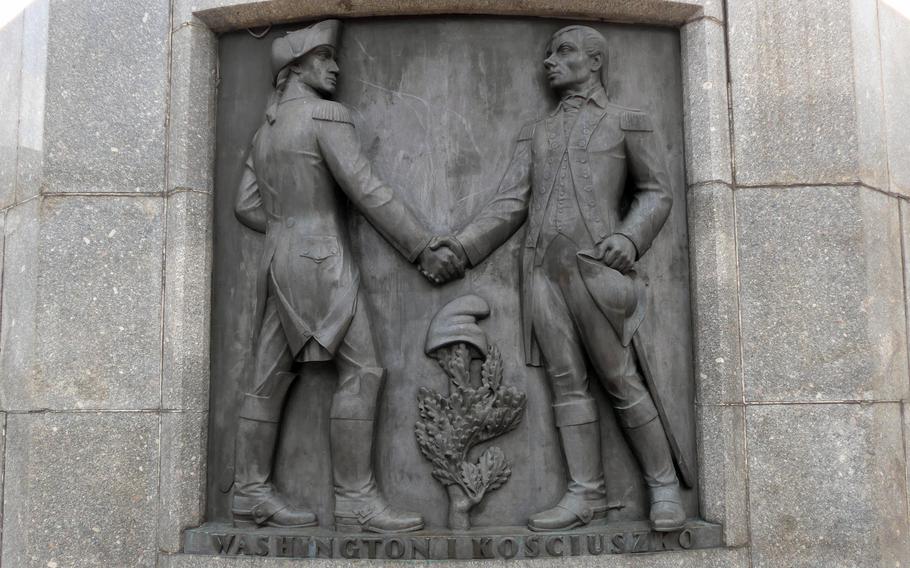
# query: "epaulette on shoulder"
[635,120]
[332,112]
[617,108]
[527,132]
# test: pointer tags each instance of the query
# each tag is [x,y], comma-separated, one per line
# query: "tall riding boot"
[359,505]
[648,442]
[256,501]
[586,498]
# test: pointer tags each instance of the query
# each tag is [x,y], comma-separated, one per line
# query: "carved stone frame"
[714,278]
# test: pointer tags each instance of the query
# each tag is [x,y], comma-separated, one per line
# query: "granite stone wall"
[798,162]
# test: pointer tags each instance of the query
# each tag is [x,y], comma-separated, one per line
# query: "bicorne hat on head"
[294,45]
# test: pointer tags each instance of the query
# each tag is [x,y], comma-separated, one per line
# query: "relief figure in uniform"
[304,164]
[591,182]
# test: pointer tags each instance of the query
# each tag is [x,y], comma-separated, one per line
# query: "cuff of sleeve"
[474,255]
[463,252]
[415,252]
[634,244]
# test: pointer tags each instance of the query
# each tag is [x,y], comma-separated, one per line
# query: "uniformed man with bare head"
[581,297]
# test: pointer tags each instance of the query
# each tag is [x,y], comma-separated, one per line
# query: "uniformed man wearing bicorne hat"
[304,164]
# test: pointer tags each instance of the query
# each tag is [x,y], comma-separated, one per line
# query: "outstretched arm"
[506,212]
[353,172]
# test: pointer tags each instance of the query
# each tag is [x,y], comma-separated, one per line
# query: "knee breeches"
[571,330]
[359,374]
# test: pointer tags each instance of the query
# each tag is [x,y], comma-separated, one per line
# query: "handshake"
[443,260]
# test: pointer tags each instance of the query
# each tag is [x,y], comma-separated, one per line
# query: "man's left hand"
[618,252]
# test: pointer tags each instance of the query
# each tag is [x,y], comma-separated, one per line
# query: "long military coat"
[305,163]
[622,186]
[607,145]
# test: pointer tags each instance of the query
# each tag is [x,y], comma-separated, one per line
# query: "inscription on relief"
[619,539]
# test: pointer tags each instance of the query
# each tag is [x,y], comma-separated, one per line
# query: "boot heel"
[244,521]
[599,518]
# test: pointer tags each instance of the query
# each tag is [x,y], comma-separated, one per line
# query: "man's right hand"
[443,260]
[618,252]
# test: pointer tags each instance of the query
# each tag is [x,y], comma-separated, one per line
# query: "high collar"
[299,90]
[596,95]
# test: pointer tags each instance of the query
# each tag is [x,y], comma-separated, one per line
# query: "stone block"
[821,294]
[191,121]
[183,455]
[81,490]
[187,303]
[10,86]
[806,89]
[715,304]
[184,9]
[723,479]
[707,130]
[32,101]
[96,312]
[827,485]
[894,27]
[106,102]
[17,311]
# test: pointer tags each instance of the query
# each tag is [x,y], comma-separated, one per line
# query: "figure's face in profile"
[567,64]
[319,70]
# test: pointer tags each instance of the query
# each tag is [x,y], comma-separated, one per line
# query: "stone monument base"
[480,543]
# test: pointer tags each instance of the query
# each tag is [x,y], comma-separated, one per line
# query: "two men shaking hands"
[445,258]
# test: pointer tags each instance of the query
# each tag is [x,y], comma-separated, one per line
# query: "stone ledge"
[30,164]
[709,558]
[715,297]
[182,475]
[10,87]
[191,112]
[224,15]
[187,306]
[707,131]
[723,483]
[894,28]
